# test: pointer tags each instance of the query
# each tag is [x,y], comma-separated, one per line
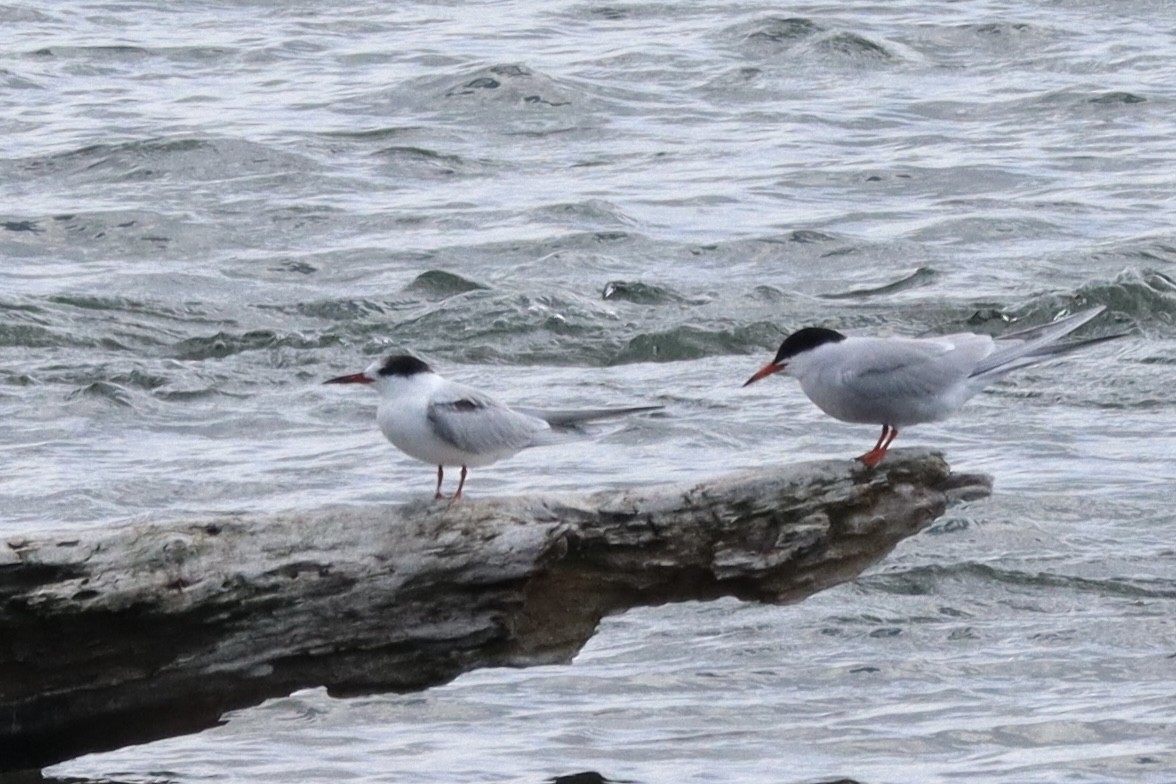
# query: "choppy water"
[209,207]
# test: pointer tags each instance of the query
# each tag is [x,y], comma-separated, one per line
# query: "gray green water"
[206,208]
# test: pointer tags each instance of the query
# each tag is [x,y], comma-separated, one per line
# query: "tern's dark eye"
[403,365]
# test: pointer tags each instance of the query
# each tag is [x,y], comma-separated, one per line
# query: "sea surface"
[208,208]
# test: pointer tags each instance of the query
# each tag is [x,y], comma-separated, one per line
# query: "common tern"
[896,382]
[444,423]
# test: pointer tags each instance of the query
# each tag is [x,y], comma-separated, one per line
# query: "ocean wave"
[427,163]
[925,580]
[225,344]
[438,284]
[185,158]
[627,320]
[639,293]
[1139,297]
[513,84]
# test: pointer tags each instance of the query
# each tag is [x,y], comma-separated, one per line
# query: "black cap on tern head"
[806,340]
[400,365]
[403,365]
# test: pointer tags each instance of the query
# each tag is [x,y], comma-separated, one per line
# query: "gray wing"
[912,369]
[478,424]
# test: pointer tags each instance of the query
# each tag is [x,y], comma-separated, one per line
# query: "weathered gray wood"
[122,636]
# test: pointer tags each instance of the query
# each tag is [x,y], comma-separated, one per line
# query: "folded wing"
[483,426]
[897,369]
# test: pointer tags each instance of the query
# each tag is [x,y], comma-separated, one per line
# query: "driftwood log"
[124,635]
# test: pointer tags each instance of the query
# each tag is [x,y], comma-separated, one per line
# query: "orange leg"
[440,475]
[460,484]
[875,455]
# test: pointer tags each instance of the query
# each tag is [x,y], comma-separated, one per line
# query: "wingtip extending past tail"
[573,417]
[1037,344]
[568,425]
[1056,328]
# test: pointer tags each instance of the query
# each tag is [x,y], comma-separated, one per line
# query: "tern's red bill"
[354,378]
[765,371]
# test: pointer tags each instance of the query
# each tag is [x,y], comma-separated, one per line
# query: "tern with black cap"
[897,382]
[444,423]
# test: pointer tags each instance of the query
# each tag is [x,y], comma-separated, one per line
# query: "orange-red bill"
[765,371]
[354,378]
